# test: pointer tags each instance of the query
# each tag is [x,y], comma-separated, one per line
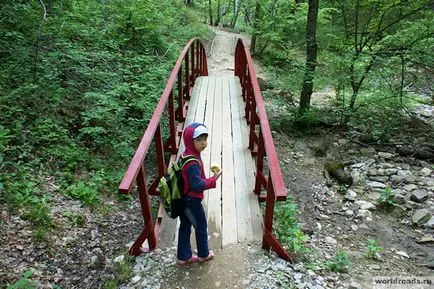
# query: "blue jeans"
[193,215]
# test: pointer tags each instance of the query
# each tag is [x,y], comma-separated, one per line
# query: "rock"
[430,223]
[410,187]
[364,214]
[136,279]
[367,152]
[400,176]
[412,205]
[342,142]
[365,205]
[355,285]
[380,179]
[391,171]
[358,177]
[354,227]
[372,172]
[349,213]
[410,179]
[403,254]
[399,198]
[263,85]
[421,216]
[351,195]
[119,259]
[374,267]
[426,239]
[386,156]
[419,196]
[330,240]
[376,185]
[375,196]
[298,276]
[425,172]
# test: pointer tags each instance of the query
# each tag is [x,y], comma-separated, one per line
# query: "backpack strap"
[186,159]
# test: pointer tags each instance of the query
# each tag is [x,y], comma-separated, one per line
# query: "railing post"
[187,76]
[160,152]
[193,67]
[180,110]
[269,212]
[148,231]
[259,164]
[172,125]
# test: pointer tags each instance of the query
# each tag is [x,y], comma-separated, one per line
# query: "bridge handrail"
[142,150]
[190,65]
[261,145]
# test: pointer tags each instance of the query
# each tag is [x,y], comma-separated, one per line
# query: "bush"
[340,262]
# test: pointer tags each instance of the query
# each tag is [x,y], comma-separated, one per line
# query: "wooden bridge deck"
[232,208]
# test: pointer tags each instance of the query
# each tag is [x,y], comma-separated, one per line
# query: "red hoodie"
[193,173]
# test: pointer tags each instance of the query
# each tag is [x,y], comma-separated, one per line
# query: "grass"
[39,217]
[373,249]
[288,230]
[123,272]
[386,198]
[24,282]
[340,262]
[75,218]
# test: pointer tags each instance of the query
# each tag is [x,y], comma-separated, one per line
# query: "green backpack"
[171,187]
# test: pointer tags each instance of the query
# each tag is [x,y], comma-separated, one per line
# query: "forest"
[80,80]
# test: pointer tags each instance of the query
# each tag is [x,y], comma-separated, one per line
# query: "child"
[195,139]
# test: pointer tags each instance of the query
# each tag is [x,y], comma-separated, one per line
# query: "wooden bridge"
[240,141]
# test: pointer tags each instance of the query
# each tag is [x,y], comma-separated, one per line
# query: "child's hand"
[217,174]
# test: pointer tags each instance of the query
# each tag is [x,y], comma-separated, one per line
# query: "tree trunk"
[311,53]
[210,12]
[255,27]
[217,21]
[237,9]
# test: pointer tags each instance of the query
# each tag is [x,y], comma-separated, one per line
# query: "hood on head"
[189,132]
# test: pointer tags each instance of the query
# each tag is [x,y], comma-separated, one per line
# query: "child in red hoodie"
[195,140]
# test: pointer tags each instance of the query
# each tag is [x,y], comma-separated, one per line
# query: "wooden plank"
[232,208]
[207,120]
[214,212]
[250,168]
[169,227]
[229,218]
[203,107]
[241,198]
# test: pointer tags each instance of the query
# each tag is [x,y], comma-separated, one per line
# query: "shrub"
[340,262]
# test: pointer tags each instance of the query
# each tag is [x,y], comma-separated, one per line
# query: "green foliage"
[86,193]
[340,262]
[123,272]
[24,282]
[343,189]
[78,87]
[386,198]
[21,192]
[288,230]
[373,249]
[75,218]
[39,217]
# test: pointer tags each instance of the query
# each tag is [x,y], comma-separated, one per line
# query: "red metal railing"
[261,144]
[190,65]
